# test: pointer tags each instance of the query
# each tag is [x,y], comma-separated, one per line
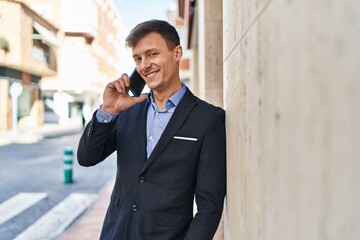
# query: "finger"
[122,84]
[112,86]
[126,79]
[140,98]
[117,85]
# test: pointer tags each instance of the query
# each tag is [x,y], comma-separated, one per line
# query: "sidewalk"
[88,227]
[33,135]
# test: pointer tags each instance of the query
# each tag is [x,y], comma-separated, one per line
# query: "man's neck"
[160,97]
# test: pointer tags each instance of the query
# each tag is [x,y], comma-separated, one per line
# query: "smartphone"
[137,83]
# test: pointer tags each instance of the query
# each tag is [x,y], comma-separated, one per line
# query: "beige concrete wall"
[207,66]
[47,9]
[5,119]
[210,51]
[16,26]
[292,95]
[10,29]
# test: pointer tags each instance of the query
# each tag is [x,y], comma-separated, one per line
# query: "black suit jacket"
[153,198]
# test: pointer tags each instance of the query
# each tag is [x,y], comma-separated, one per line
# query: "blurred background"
[61,54]
[285,71]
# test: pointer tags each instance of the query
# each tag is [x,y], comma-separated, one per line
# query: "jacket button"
[141,179]
[134,208]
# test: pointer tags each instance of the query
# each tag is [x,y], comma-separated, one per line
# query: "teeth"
[151,74]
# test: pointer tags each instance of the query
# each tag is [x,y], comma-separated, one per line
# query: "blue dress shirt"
[156,119]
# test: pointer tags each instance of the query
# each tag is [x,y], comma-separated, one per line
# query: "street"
[34,200]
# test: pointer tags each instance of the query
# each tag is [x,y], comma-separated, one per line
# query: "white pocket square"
[186,138]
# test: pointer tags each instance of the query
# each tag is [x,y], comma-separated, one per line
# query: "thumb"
[140,98]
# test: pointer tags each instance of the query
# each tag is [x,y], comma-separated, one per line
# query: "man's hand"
[116,97]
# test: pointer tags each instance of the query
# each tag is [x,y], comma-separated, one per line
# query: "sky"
[136,11]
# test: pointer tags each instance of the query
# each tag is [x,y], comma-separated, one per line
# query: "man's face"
[156,63]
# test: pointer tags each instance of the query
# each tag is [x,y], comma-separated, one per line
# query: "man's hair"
[166,30]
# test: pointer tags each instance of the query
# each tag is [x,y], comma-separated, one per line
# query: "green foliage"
[4,44]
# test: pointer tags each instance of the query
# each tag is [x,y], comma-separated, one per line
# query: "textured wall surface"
[210,34]
[292,96]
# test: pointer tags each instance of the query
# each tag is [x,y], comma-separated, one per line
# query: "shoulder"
[208,106]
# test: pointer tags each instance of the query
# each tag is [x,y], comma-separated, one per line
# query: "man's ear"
[178,53]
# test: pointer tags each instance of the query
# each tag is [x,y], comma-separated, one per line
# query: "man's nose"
[145,64]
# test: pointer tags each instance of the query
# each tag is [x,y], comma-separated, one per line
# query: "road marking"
[43,159]
[36,160]
[54,222]
[18,203]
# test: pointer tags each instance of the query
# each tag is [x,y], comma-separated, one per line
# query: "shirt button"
[151,137]
[134,208]
[141,179]
[157,113]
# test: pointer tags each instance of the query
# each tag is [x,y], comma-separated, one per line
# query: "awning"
[45,35]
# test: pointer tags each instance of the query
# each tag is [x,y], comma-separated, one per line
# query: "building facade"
[290,87]
[28,53]
[89,56]
[63,53]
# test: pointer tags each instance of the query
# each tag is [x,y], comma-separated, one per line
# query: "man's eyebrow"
[146,52]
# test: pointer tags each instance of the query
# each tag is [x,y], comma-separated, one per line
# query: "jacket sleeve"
[211,181]
[97,142]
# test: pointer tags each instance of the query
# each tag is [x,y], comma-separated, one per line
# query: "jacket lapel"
[179,116]
[143,107]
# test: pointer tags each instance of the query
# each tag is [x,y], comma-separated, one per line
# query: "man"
[170,146]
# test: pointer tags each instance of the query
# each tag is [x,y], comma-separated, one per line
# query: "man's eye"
[153,54]
[137,60]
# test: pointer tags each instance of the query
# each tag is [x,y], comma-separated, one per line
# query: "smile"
[152,74]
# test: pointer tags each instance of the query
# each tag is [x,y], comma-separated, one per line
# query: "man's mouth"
[151,74]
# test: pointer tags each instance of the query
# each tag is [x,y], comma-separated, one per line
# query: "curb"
[38,134]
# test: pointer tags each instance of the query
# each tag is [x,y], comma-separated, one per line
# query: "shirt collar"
[173,100]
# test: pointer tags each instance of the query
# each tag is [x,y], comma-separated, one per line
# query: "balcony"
[79,17]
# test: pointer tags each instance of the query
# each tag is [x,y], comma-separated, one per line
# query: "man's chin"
[153,86]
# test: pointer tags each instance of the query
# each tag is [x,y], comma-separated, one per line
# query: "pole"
[15,116]
[15,90]
[68,165]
